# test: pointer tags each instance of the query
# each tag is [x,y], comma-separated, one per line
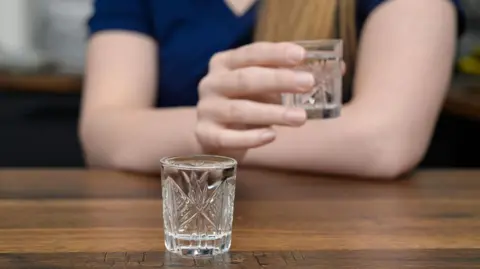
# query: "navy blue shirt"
[188,32]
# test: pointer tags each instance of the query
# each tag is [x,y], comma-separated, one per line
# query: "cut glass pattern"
[198,207]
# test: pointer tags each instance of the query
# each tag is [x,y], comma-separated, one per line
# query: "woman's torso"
[192,31]
[188,33]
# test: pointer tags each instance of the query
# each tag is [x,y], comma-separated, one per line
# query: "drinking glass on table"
[324,60]
[198,199]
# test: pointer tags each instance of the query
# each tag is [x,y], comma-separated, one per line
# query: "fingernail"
[268,135]
[295,55]
[295,116]
[304,80]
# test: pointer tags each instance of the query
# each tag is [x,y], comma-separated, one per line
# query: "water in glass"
[198,201]
[323,60]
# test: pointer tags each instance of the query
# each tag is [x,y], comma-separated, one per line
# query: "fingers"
[248,112]
[256,80]
[217,137]
[259,54]
[272,98]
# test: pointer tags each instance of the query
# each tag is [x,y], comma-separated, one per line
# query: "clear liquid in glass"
[324,61]
[324,101]
[198,202]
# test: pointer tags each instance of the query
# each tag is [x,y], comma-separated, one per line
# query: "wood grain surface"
[101,219]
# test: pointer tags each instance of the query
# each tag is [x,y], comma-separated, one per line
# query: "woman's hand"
[240,96]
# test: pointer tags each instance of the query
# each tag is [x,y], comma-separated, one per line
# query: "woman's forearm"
[135,140]
[387,130]
[349,145]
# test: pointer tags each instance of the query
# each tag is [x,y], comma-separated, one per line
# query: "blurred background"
[42,47]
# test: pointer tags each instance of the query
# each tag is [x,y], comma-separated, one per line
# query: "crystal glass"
[198,198]
[324,60]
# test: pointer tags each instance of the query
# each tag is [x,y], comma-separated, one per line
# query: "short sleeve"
[365,7]
[131,15]
[461,17]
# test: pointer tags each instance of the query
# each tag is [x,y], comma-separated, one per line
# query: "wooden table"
[71,218]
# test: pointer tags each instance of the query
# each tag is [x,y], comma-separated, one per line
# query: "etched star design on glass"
[198,200]
[324,60]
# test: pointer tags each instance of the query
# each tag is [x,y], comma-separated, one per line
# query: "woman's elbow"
[392,165]
[99,151]
[94,152]
[98,157]
[104,153]
[395,156]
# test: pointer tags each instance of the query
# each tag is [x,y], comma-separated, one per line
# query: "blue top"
[189,32]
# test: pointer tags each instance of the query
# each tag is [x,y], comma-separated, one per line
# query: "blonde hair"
[287,20]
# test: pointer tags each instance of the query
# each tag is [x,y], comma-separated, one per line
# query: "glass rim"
[332,41]
[332,47]
[223,162]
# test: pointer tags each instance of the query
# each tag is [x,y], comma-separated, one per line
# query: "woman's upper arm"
[121,56]
[404,68]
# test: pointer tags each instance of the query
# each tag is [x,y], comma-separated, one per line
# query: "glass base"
[188,245]
[324,112]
